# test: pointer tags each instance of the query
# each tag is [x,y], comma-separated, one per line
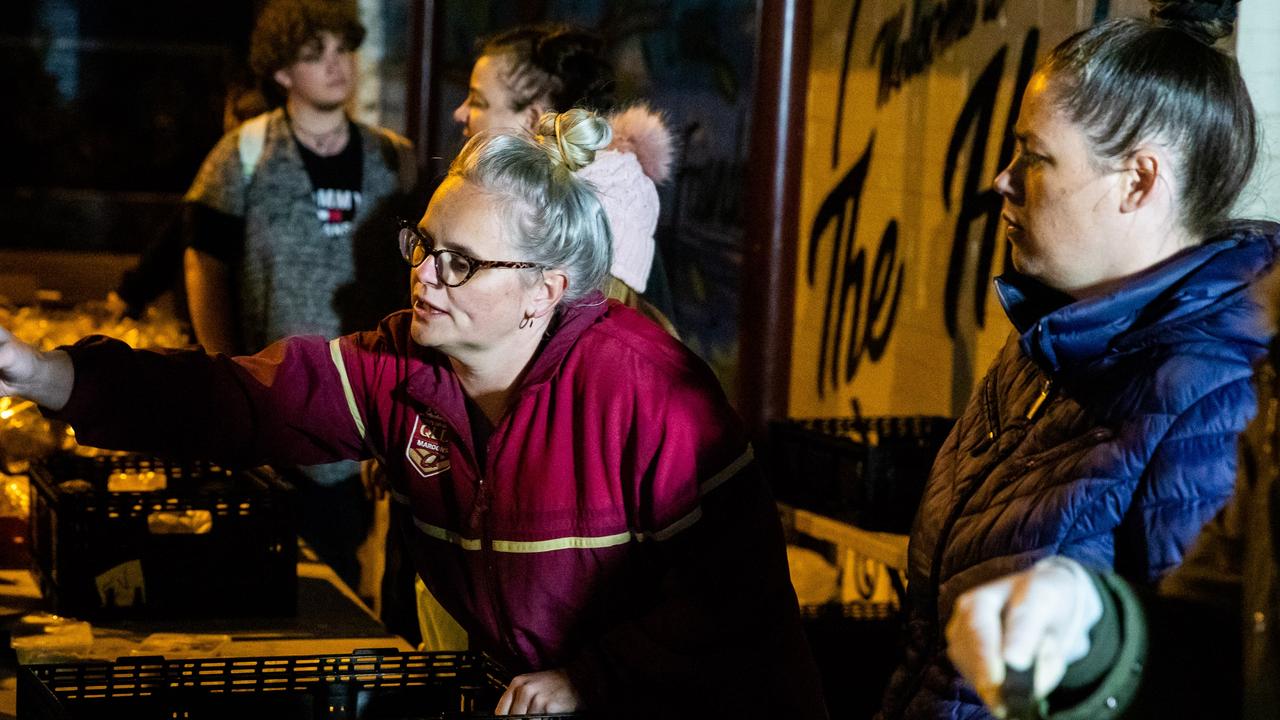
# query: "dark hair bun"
[571,68]
[1206,20]
[577,59]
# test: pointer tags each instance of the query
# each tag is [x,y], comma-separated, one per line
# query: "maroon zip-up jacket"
[618,528]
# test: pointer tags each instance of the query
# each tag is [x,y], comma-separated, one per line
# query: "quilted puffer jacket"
[1105,431]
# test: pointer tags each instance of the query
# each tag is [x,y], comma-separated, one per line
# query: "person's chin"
[1021,261]
[424,334]
[1016,259]
[331,104]
[1034,268]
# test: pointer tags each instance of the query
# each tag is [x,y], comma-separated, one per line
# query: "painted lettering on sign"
[861,297]
[934,29]
[852,299]
[900,231]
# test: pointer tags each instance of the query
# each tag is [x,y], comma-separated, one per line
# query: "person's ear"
[533,114]
[548,292]
[1141,178]
[283,79]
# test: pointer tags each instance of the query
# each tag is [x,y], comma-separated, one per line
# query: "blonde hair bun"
[572,137]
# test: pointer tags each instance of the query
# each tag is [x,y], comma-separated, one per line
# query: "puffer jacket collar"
[1057,332]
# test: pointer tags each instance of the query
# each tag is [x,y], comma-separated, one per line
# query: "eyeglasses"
[452,267]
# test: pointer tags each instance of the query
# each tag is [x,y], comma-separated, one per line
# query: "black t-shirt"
[335,183]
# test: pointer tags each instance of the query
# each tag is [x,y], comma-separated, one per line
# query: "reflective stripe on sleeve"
[735,467]
[704,489]
[335,352]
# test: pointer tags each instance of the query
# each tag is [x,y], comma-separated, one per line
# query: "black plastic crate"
[367,685]
[869,472]
[102,554]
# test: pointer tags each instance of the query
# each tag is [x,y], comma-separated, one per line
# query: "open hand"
[43,377]
[18,362]
[544,692]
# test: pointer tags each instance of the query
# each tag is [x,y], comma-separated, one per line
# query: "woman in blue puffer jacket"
[1106,429]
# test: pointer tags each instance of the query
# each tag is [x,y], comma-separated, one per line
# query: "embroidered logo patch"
[427,451]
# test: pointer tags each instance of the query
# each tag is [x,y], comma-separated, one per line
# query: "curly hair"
[284,28]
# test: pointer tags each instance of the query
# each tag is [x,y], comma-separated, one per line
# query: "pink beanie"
[624,176]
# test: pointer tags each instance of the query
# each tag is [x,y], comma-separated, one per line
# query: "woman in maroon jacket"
[572,484]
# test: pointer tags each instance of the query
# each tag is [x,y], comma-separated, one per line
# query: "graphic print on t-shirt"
[336,180]
[336,209]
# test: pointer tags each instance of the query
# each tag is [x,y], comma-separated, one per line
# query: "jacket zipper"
[1038,404]
[993,435]
[480,518]
[993,413]
[1031,415]
[487,554]
[994,431]
[991,410]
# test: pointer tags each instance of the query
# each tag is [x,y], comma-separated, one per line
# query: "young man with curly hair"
[285,221]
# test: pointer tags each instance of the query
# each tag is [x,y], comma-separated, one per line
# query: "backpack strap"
[253,136]
[397,154]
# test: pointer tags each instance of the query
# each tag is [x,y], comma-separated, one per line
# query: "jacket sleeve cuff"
[1104,644]
[588,681]
[1104,683]
[82,402]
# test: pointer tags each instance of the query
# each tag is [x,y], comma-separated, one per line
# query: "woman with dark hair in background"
[526,71]
[1105,431]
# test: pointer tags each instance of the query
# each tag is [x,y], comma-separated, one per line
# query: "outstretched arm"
[285,404]
[45,377]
